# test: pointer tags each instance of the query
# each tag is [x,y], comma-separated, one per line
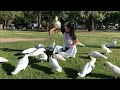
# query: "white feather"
[2,59]
[39,46]
[105,49]
[89,66]
[29,50]
[43,57]
[37,52]
[63,54]
[56,18]
[57,23]
[112,44]
[113,68]
[58,57]
[97,54]
[22,64]
[54,64]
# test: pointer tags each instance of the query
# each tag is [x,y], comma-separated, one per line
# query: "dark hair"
[71,26]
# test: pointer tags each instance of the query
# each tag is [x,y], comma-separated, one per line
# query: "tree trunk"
[90,24]
[39,20]
[5,24]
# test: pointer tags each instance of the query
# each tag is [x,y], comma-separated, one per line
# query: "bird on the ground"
[29,50]
[113,68]
[88,67]
[105,49]
[22,64]
[58,57]
[2,59]
[113,43]
[54,64]
[97,54]
[43,57]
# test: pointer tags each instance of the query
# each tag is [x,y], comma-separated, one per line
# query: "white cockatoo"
[63,54]
[39,46]
[112,44]
[43,57]
[29,50]
[58,57]
[57,23]
[80,44]
[2,59]
[97,54]
[113,68]
[105,49]
[37,52]
[54,64]
[22,64]
[88,68]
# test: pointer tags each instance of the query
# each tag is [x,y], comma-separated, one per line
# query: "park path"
[20,39]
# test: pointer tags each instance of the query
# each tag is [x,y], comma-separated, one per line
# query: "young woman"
[70,40]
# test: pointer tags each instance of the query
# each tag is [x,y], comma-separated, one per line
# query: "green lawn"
[41,70]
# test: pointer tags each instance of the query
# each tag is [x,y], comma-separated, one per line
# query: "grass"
[41,70]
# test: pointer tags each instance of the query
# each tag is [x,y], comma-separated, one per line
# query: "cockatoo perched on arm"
[57,23]
[57,26]
[113,68]
[89,66]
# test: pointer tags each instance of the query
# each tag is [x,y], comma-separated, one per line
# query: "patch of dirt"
[20,39]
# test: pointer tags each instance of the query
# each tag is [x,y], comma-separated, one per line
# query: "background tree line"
[91,19]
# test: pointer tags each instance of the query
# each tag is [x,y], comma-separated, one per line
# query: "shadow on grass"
[116,47]
[9,49]
[33,60]
[8,68]
[18,54]
[42,68]
[93,46]
[71,73]
[84,57]
[103,76]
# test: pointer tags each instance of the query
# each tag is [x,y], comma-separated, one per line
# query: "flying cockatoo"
[54,64]
[43,57]
[2,59]
[58,57]
[57,23]
[80,44]
[97,54]
[112,44]
[29,50]
[105,49]
[113,68]
[37,52]
[22,64]
[88,68]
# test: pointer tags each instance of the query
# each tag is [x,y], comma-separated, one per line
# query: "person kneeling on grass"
[70,40]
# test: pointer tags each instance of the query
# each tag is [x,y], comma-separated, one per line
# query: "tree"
[7,16]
